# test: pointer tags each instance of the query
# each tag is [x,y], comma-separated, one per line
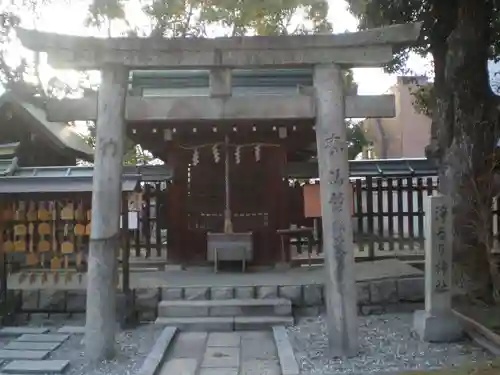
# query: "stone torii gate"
[328,106]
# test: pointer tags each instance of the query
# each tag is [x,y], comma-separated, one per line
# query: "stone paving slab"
[157,354]
[261,349]
[219,371]
[179,366]
[199,324]
[288,362]
[260,367]
[43,338]
[255,335]
[221,357]
[24,354]
[189,345]
[28,345]
[78,330]
[36,367]
[225,339]
[260,322]
[18,331]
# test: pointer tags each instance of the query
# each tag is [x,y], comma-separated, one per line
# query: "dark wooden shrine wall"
[259,201]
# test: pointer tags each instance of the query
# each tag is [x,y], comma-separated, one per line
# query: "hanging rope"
[216,153]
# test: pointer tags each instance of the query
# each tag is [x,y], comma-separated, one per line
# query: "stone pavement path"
[222,353]
[28,353]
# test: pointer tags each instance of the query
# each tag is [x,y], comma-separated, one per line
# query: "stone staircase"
[225,315]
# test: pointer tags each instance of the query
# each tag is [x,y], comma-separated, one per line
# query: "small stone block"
[313,294]
[78,330]
[18,331]
[196,293]
[226,339]
[244,292]
[288,363]
[219,371]
[372,310]
[179,366]
[412,289]
[292,293]
[36,367]
[221,357]
[383,291]
[43,338]
[265,292]
[218,293]
[171,294]
[363,289]
[183,311]
[27,345]
[307,311]
[23,354]
[437,328]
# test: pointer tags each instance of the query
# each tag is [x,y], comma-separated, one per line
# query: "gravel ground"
[132,347]
[387,346]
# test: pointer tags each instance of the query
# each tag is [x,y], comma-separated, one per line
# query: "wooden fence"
[388,217]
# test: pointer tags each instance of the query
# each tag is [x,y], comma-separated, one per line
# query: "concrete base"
[437,328]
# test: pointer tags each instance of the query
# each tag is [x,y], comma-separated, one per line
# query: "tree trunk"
[464,138]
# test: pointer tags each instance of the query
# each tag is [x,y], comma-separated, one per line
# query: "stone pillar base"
[444,327]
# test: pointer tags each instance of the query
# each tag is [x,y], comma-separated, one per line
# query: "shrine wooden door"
[257,193]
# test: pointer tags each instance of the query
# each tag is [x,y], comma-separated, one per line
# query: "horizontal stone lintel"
[363,57]
[364,48]
[261,107]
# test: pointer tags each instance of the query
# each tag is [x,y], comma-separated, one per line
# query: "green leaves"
[356,139]
[378,13]
[174,18]
[103,12]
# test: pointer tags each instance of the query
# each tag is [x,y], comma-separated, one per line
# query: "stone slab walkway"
[222,353]
[29,351]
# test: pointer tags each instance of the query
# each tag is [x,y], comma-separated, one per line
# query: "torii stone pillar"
[340,287]
[105,225]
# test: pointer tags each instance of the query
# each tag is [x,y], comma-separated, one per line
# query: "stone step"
[18,331]
[225,308]
[46,337]
[225,323]
[257,323]
[24,354]
[27,345]
[36,367]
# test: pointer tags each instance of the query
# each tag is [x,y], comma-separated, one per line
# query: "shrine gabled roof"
[419,167]
[61,134]
[74,179]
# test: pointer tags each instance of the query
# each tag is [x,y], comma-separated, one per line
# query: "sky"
[70,20]
[370,80]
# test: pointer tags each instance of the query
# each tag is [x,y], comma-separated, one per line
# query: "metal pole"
[228,224]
